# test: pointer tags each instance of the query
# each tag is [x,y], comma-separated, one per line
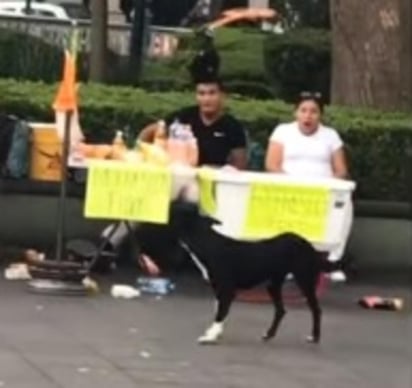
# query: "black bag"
[14,147]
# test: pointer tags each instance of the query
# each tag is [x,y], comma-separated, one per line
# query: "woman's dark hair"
[316,97]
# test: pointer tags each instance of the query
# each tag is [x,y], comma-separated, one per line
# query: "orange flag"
[66,101]
[66,98]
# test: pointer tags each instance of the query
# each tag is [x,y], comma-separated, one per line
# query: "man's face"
[209,98]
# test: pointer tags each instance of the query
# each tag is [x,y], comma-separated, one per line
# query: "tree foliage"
[303,13]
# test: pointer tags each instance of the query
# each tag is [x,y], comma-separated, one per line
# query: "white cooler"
[233,190]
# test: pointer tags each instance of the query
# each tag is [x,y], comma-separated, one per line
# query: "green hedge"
[31,58]
[376,141]
[28,58]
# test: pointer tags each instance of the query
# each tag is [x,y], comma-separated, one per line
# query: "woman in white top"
[306,147]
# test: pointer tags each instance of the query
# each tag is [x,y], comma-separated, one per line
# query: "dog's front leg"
[215,331]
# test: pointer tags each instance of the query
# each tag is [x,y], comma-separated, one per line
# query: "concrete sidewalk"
[100,342]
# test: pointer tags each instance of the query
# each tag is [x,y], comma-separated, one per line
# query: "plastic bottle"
[192,148]
[160,138]
[178,143]
[118,146]
[156,286]
[118,140]
[120,291]
[174,129]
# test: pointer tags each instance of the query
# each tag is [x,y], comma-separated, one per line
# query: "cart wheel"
[82,249]
[85,251]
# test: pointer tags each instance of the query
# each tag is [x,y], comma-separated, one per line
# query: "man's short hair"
[210,81]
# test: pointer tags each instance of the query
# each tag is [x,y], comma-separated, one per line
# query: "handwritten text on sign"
[277,208]
[129,192]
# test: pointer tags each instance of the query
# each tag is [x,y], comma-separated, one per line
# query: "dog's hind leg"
[214,332]
[308,288]
[275,292]
[316,316]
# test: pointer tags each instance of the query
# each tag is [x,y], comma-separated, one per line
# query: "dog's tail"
[327,266]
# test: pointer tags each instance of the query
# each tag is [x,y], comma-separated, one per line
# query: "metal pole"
[408,167]
[409,193]
[61,211]
[28,7]
[98,40]
[137,44]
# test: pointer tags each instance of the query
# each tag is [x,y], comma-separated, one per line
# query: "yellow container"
[46,153]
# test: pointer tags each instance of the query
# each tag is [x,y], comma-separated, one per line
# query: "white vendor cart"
[329,205]
[253,206]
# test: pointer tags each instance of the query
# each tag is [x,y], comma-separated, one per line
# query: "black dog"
[233,265]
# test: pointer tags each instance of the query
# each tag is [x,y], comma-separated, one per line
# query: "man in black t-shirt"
[220,137]
[221,141]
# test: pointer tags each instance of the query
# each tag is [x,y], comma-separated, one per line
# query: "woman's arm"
[274,157]
[339,165]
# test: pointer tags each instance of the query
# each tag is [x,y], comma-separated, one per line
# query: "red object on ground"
[380,303]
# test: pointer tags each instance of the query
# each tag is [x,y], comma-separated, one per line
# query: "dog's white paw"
[266,337]
[212,334]
[206,340]
[311,339]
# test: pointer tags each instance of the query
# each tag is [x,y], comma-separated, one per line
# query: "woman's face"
[308,116]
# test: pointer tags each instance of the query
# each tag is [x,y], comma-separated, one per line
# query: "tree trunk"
[406,54]
[138,45]
[98,39]
[369,55]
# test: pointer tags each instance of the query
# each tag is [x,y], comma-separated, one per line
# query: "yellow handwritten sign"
[128,192]
[277,208]
[207,187]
